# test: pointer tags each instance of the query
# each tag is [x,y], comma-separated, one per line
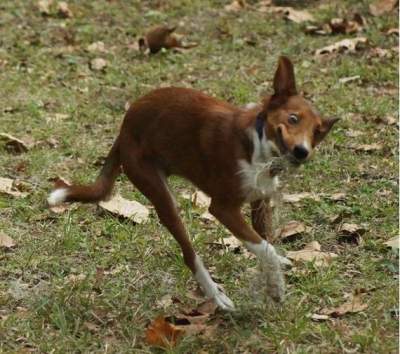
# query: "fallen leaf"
[96,47]
[9,186]
[63,10]
[337,196]
[235,6]
[368,147]
[389,120]
[162,37]
[295,198]
[289,13]
[75,278]
[16,145]
[162,333]
[381,7]
[344,80]
[393,243]
[165,301]
[18,290]
[318,317]
[207,216]
[345,45]
[354,305]
[6,241]
[312,253]
[351,233]
[126,208]
[298,16]
[338,25]
[200,199]
[380,53]
[44,6]
[98,64]
[92,327]
[291,229]
[391,31]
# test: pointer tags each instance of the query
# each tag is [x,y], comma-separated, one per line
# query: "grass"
[124,269]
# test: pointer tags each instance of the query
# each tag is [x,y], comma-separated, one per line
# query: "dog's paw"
[223,301]
[285,262]
[276,287]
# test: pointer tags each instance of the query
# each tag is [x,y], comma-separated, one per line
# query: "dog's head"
[292,124]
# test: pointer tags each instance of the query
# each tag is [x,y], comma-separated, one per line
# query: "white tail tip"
[57,196]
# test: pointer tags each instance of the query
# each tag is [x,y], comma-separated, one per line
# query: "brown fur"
[181,131]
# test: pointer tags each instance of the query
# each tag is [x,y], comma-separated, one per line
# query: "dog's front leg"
[270,261]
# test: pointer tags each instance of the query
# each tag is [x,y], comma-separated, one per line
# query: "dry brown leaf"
[298,16]
[351,233]
[389,120]
[165,301]
[44,6]
[368,147]
[292,228]
[344,80]
[380,53]
[98,64]
[348,228]
[312,253]
[96,47]
[391,31]
[6,241]
[162,333]
[317,317]
[9,186]
[162,37]
[345,45]
[235,6]
[337,196]
[393,243]
[129,209]
[16,145]
[64,10]
[381,7]
[354,305]
[297,197]
[207,216]
[289,13]
[200,199]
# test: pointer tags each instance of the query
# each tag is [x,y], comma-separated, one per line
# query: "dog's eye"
[293,118]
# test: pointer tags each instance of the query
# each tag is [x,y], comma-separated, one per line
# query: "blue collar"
[260,122]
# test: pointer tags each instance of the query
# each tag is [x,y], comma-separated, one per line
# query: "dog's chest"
[256,179]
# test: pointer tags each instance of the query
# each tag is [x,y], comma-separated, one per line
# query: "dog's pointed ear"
[284,80]
[321,132]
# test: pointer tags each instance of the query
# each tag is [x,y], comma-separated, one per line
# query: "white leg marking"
[58,196]
[210,288]
[271,265]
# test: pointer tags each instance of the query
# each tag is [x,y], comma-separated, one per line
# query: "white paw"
[223,301]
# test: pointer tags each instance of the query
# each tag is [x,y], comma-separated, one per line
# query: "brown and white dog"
[230,153]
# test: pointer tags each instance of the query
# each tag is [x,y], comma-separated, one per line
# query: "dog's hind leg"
[151,182]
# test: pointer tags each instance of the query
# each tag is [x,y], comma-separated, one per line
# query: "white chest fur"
[257,182]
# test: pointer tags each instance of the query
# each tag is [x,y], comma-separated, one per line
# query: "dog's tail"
[99,190]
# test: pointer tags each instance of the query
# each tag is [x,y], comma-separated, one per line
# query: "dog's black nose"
[300,152]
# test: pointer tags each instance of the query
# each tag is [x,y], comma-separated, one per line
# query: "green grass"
[41,78]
